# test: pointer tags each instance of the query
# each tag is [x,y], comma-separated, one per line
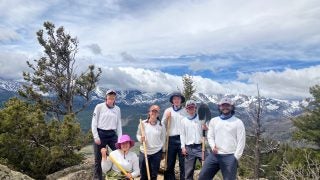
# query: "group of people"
[178,134]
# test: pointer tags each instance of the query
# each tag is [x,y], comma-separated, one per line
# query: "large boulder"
[8,174]
[82,171]
[82,174]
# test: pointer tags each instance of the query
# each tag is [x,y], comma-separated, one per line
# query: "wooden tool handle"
[145,149]
[118,166]
[167,143]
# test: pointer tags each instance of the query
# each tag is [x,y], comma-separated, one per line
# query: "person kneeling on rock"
[127,160]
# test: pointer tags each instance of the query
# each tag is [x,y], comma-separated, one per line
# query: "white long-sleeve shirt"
[107,119]
[175,121]
[129,162]
[228,136]
[155,136]
[191,131]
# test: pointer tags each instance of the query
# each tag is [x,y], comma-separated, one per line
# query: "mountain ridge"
[134,105]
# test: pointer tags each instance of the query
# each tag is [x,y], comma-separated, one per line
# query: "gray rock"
[82,171]
[82,174]
[8,174]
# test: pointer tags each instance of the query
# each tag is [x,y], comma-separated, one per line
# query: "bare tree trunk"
[257,124]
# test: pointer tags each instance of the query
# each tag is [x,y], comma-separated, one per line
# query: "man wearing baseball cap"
[106,128]
[226,137]
[191,139]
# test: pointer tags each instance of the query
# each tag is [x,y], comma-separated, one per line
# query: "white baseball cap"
[226,100]
[111,91]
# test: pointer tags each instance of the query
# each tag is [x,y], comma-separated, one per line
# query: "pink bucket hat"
[124,138]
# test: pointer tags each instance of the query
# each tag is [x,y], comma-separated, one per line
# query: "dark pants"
[174,149]
[214,162]
[154,165]
[194,153]
[107,137]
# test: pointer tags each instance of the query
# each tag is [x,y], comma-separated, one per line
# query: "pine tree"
[35,147]
[188,86]
[55,73]
[29,140]
[308,124]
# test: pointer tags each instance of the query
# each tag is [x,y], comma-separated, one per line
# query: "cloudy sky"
[228,46]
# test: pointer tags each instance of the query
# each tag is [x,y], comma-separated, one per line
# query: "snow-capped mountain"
[8,85]
[288,108]
[134,104]
[276,115]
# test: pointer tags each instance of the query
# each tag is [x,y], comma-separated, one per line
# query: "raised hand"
[104,153]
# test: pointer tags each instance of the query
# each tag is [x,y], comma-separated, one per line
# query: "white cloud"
[140,79]
[116,34]
[214,65]
[7,34]
[94,48]
[12,65]
[187,27]
[180,27]
[256,30]
[288,84]
[21,11]
[126,57]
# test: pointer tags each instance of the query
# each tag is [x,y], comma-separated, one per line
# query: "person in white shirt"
[106,128]
[155,134]
[129,161]
[226,137]
[191,138]
[176,113]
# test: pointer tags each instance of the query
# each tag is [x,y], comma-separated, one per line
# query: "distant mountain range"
[134,104]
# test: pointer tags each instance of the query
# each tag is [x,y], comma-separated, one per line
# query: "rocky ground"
[84,171]
[8,174]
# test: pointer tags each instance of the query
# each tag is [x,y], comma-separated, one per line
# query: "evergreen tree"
[188,86]
[32,146]
[55,73]
[308,124]
[299,163]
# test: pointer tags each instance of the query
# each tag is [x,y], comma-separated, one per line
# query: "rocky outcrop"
[177,170]
[82,171]
[8,174]
[85,170]
[82,174]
